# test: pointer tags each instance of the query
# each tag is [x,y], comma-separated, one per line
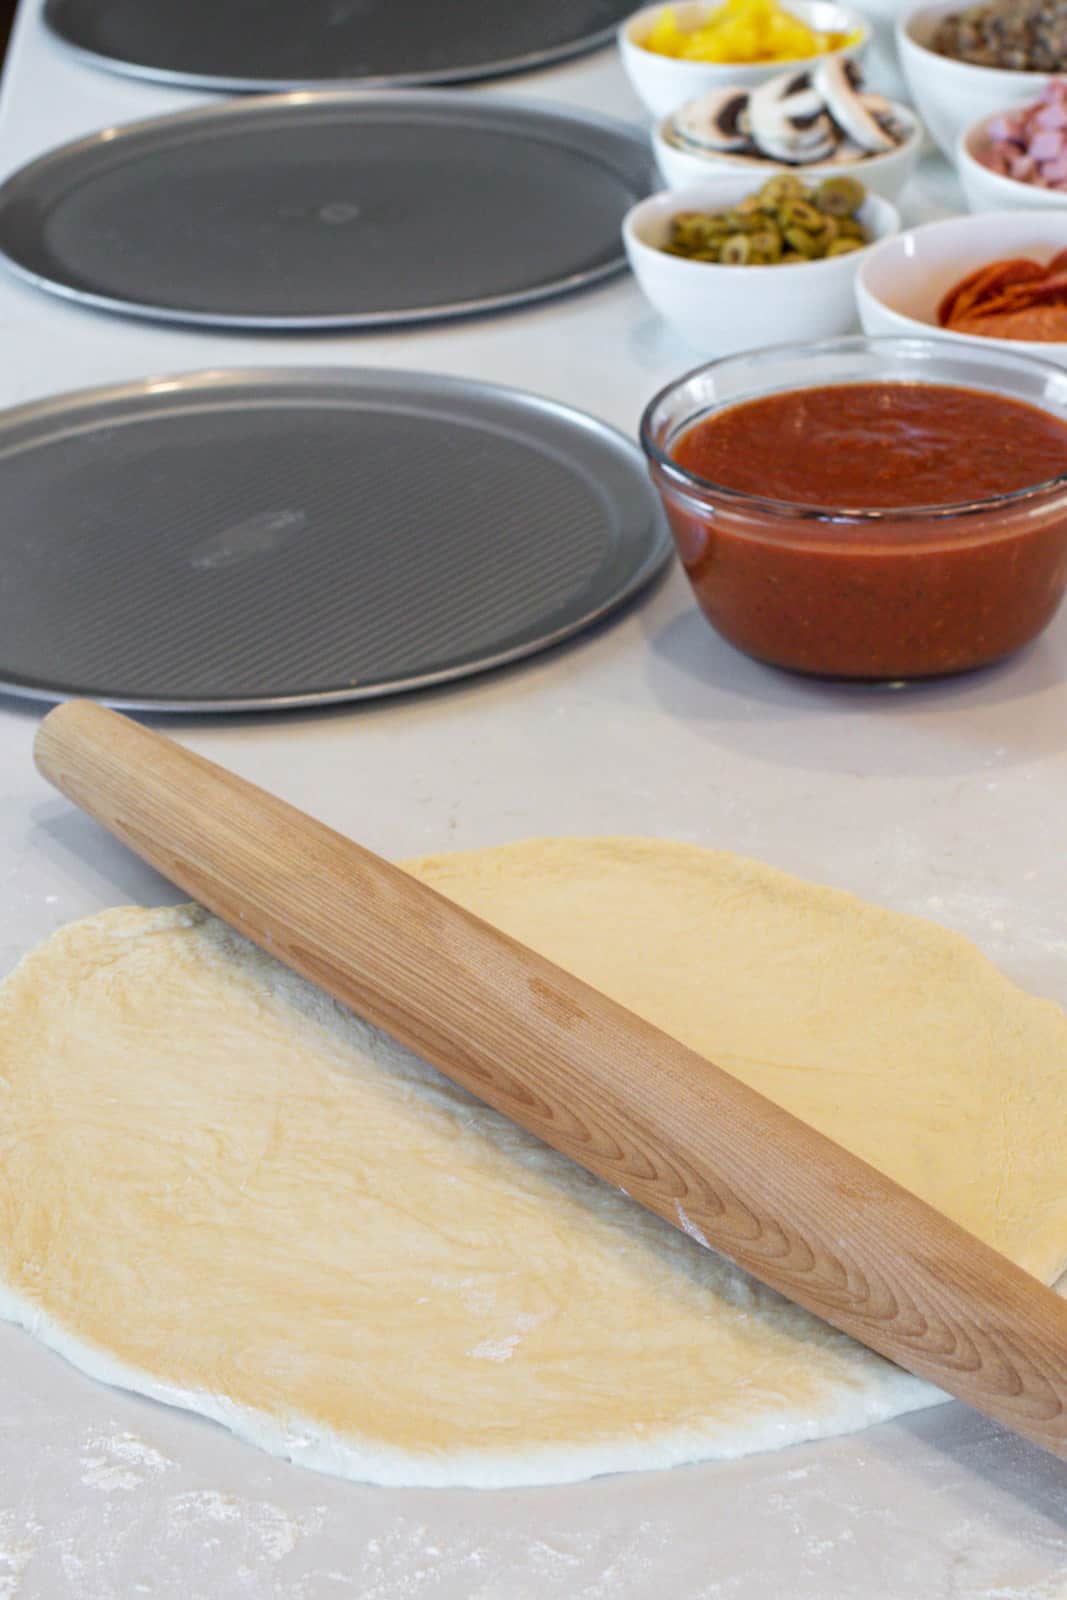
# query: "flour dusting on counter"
[264,1528]
[120,1461]
[18,1544]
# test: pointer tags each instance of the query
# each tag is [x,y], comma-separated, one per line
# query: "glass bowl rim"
[696,487]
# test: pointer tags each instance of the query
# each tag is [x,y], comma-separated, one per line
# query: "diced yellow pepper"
[741,31]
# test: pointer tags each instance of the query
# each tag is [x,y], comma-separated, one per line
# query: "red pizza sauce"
[858,595]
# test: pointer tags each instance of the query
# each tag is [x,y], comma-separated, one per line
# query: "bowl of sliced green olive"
[733,266]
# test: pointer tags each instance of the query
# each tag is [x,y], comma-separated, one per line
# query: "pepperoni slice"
[1050,288]
[1037,324]
[977,286]
[1019,297]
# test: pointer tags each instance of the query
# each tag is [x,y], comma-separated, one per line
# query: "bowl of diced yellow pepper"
[673,52]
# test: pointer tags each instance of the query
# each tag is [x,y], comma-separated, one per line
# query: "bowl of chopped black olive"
[964,62]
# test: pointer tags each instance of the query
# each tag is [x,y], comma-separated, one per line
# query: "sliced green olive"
[736,251]
[800,214]
[844,247]
[805,244]
[777,190]
[840,196]
[694,233]
[766,245]
[783,221]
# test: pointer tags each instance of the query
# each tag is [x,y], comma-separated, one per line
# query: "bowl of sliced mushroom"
[815,122]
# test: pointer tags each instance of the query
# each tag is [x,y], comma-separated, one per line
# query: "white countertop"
[942,799]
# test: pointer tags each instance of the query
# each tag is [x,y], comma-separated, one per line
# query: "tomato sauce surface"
[877,445]
[892,596]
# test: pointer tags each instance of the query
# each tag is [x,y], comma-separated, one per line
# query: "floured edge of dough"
[307,1444]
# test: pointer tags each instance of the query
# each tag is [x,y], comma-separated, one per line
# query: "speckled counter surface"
[946,799]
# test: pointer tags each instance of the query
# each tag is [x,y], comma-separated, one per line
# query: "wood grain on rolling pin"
[634,1106]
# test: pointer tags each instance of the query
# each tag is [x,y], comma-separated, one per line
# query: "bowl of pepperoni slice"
[996,279]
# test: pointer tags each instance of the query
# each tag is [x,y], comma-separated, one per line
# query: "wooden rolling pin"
[643,1112]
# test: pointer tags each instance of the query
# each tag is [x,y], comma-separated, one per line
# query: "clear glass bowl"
[856,593]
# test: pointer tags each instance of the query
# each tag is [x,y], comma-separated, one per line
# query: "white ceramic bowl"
[901,282]
[719,310]
[663,82]
[951,95]
[885,175]
[987,190]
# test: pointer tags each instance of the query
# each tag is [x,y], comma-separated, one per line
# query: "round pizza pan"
[329,210]
[256,45]
[260,539]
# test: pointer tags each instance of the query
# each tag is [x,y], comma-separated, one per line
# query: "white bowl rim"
[888,226]
[856,22]
[905,38]
[965,221]
[731,163]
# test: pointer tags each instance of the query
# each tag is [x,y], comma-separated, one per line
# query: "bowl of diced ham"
[1017,159]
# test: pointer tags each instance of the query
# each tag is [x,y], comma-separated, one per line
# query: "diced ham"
[1046,145]
[1054,173]
[1030,145]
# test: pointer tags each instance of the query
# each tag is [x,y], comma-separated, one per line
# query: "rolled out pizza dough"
[220,1189]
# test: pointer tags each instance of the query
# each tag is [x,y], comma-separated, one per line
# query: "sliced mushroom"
[847,152]
[853,113]
[876,104]
[716,121]
[788,120]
